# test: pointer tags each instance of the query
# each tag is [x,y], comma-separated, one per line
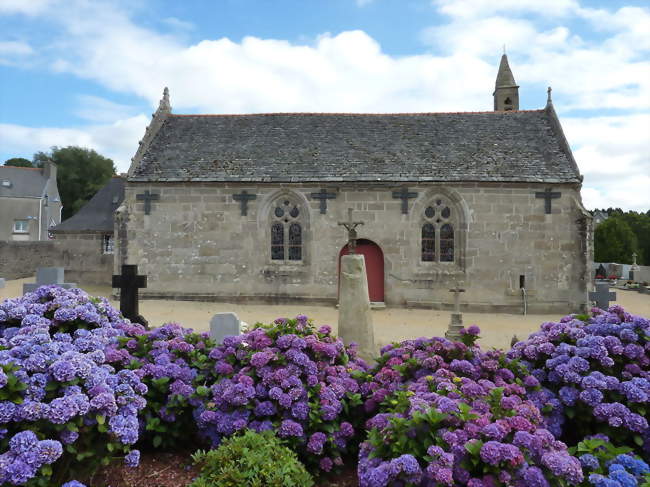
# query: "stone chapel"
[247,207]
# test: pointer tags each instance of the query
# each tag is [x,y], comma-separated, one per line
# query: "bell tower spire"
[506,91]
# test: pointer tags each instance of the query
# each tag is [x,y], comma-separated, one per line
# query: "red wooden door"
[374,267]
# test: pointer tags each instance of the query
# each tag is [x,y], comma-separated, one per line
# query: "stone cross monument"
[456,324]
[128,282]
[351,226]
[355,317]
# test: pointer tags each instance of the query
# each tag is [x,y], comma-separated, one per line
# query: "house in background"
[86,238]
[29,202]
[599,217]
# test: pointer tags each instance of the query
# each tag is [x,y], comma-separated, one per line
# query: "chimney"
[49,170]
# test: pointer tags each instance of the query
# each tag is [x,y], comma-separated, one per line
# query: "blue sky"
[90,72]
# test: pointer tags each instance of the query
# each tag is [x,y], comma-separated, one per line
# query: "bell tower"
[506,91]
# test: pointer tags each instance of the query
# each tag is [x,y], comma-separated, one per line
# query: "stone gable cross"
[128,283]
[323,196]
[602,295]
[548,195]
[404,194]
[243,199]
[147,197]
[351,226]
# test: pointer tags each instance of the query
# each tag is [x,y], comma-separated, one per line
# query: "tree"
[614,241]
[18,162]
[81,173]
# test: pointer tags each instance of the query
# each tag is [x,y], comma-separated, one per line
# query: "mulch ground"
[176,470]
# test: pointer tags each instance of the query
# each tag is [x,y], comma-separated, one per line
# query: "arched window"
[286,231]
[438,232]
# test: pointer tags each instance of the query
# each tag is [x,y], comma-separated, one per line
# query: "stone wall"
[20,259]
[79,254]
[83,260]
[195,244]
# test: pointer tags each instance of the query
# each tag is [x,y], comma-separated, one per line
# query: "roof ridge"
[26,168]
[348,114]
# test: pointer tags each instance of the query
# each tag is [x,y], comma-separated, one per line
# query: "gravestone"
[602,296]
[601,271]
[2,282]
[355,317]
[46,276]
[634,269]
[128,282]
[223,325]
[615,270]
[456,324]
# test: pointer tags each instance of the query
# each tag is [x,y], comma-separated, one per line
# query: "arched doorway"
[374,267]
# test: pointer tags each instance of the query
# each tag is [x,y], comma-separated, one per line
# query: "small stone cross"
[243,199]
[548,195]
[128,283]
[602,295]
[147,197]
[323,196]
[404,194]
[457,290]
[351,226]
[634,256]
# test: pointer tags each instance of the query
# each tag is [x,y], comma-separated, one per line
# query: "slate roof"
[24,182]
[97,214]
[513,146]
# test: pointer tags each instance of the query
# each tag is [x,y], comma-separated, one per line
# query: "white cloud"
[118,140]
[15,48]
[26,7]
[482,8]
[97,109]
[178,24]
[363,3]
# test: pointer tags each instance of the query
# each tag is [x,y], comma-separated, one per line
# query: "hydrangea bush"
[61,404]
[595,374]
[449,414]
[290,378]
[173,362]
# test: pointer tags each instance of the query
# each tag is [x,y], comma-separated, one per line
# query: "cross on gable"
[128,282]
[243,199]
[147,197]
[602,296]
[404,194]
[548,195]
[351,226]
[323,196]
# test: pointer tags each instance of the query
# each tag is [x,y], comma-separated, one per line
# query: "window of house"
[286,231]
[107,244]
[21,226]
[437,237]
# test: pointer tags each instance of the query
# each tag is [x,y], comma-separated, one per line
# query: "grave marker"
[351,227]
[456,324]
[2,282]
[223,325]
[602,296]
[128,282]
[46,276]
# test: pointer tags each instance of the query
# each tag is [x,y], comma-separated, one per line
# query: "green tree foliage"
[618,237]
[18,162]
[81,173]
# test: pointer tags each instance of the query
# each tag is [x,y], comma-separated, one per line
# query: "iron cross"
[128,283]
[243,199]
[147,197]
[351,226]
[323,196]
[404,194]
[548,195]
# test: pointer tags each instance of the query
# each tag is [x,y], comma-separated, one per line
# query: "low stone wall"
[20,259]
[79,254]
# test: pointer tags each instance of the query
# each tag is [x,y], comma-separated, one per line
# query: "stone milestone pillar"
[355,318]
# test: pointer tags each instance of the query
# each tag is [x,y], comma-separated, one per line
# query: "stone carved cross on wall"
[323,196]
[548,196]
[128,282]
[404,194]
[243,199]
[351,226]
[147,197]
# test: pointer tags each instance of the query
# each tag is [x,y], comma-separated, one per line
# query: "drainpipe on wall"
[40,221]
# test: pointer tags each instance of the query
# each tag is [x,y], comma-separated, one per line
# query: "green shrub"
[251,460]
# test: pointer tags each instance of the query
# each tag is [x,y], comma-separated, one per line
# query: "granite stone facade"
[195,244]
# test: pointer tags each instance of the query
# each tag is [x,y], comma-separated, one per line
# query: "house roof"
[23,182]
[97,214]
[513,146]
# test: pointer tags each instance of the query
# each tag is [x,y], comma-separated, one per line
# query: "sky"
[91,72]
